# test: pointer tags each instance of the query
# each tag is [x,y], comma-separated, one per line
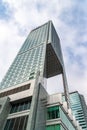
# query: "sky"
[18,18]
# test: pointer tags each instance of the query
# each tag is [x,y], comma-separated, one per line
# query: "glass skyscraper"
[41,52]
[29,60]
[24,101]
[79,110]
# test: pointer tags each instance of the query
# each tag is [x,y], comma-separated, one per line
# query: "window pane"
[21,123]
[29,104]
[7,125]
[18,123]
[20,106]
[53,127]
[11,124]
[25,123]
[25,105]
[53,112]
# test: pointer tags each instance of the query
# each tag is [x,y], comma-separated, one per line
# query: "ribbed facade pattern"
[29,60]
[78,110]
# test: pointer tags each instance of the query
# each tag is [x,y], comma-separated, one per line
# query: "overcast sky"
[19,17]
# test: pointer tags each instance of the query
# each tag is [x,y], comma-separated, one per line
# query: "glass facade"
[36,37]
[54,40]
[18,123]
[20,106]
[29,60]
[53,127]
[66,120]
[55,112]
[52,112]
[25,67]
[31,56]
[78,110]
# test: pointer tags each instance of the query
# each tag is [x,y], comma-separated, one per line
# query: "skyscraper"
[23,97]
[40,52]
[79,110]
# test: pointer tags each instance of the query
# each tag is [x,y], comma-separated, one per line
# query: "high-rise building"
[40,52]
[79,110]
[24,102]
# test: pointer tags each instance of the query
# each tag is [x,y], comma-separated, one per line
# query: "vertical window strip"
[52,112]
[18,123]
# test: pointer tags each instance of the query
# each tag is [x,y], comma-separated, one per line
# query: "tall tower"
[79,110]
[39,58]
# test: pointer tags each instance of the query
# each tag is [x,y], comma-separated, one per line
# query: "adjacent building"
[58,116]
[24,101]
[79,110]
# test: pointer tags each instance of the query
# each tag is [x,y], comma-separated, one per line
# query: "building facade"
[79,110]
[58,116]
[24,101]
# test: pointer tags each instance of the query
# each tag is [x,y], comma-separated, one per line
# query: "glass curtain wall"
[52,112]
[55,112]
[66,120]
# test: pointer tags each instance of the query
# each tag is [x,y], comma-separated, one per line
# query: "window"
[0,106]
[53,127]
[18,123]
[31,77]
[52,112]
[17,107]
[32,73]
